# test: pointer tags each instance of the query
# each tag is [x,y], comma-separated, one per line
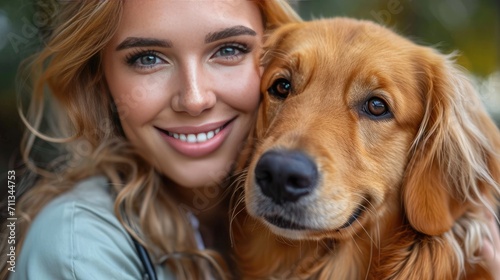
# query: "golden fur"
[423,173]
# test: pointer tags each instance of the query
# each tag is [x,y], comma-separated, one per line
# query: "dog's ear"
[277,13]
[274,41]
[454,160]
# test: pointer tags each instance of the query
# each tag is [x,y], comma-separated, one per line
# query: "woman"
[153,102]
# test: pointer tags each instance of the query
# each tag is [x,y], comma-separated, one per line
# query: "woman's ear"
[454,161]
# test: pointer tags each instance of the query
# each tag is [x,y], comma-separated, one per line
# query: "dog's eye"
[280,88]
[376,107]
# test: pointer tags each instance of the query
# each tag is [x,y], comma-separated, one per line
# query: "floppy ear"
[277,13]
[454,161]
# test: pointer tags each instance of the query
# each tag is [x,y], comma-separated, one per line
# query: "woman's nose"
[195,94]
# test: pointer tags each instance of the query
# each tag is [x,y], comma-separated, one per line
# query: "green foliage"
[471,27]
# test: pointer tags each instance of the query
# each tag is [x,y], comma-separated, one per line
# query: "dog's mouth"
[284,223]
[354,217]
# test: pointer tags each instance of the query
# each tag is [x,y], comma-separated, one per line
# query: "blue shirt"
[77,236]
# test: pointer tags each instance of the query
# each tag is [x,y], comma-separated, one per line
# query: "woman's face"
[185,78]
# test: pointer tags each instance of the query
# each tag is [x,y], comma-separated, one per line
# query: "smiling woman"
[152,105]
[197,86]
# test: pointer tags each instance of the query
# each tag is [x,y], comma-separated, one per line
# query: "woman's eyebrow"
[134,42]
[229,32]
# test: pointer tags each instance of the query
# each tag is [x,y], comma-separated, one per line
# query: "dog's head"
[356,119]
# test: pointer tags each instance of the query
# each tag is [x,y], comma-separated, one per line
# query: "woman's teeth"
[194,138]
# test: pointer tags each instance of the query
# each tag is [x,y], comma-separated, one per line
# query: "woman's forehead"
[159,16]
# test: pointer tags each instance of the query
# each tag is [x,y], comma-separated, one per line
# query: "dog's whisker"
[236,201]
[352,233]
[370,261]
[370,209]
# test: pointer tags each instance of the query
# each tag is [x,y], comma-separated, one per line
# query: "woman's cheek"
[139,98]
[243,88]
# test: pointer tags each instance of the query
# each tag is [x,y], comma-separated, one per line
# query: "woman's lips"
[199,141]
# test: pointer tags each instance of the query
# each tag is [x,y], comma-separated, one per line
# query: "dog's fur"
[424,173]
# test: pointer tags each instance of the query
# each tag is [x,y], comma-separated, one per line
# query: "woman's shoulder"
[87,208]
[77,236]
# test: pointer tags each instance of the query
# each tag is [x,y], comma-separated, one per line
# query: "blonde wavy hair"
[84,130]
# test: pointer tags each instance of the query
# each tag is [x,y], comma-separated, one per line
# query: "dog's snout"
[285,176]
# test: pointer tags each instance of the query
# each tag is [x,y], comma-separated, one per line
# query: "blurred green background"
[469,26]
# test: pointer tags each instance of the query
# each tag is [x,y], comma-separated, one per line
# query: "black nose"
[285,176]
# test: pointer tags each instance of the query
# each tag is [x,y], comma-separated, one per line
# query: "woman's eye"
[230,52]
[146,59]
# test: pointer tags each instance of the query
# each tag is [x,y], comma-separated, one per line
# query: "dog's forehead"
[342,40]
[346,60]
[337,48]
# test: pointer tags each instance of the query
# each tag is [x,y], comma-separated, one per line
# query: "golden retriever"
[372,158]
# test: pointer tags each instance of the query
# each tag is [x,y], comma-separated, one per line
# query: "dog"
[372,158]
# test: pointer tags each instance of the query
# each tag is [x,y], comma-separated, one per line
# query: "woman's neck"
[209,204]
